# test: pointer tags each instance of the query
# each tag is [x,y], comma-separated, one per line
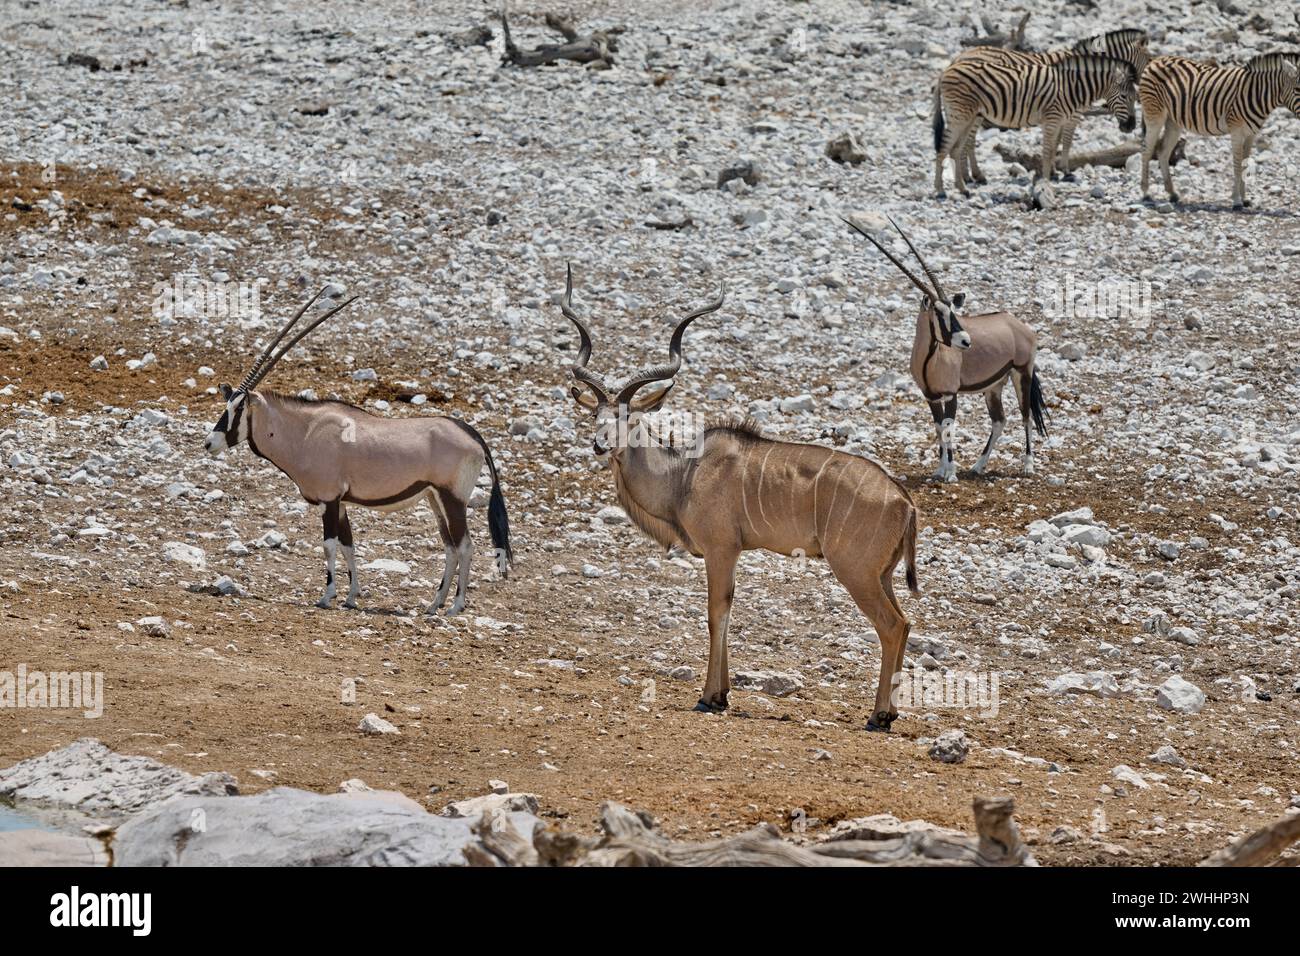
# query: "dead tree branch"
[1115,156]
[1009,40]
[1261,848]
[630,839]
[596,49]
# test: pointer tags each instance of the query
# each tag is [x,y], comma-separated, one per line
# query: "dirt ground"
[525,687]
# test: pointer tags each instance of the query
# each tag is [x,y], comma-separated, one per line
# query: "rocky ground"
[1144,641]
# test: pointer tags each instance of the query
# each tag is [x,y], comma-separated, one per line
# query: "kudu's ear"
[584,398]
[652,401]
[226,391]
[958,300]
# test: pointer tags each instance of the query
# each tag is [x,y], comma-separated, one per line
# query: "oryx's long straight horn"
[251,377]
[934,280]
[659,373]
[891,257]
[266,370]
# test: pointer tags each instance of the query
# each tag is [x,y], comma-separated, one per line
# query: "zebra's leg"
[940,155]
[1248,148]
[1022,379]
[1067,139]
[1148,153]
[1238,161]
[972,165]
[993,399]
[959,174]
[1167,144]
[1051,133]
[331,547]
[350,556]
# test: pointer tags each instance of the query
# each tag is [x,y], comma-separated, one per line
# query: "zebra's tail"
[936,118]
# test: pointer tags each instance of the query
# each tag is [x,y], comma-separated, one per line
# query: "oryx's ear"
[926,303]
[584,398]
[651,401]
[226,391]
[958,300]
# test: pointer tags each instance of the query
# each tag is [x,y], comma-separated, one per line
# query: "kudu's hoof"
[881,723]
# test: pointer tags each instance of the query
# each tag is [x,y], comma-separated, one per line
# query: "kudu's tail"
[498,522]
[909,552]
[936,118]
[1036,406]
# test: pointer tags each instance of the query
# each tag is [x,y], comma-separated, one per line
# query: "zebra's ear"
[958,300]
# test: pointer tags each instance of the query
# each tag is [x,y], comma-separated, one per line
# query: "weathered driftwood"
[1115,156]
[629,839]
[1261,848]
[992,36]
[596,48]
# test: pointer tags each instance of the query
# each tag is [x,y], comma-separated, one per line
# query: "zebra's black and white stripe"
[1018,93]
[1129,45]
[1209,100]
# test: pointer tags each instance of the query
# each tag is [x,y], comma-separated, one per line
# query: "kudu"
[734,491]
[973,353]
[339,454]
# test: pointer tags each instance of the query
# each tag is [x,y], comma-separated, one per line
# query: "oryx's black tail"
[1036,406]
[498,522]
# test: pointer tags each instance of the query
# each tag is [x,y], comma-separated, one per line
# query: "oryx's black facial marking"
[950,330]
[231,428]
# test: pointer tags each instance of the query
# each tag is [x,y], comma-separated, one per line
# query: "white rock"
[375,726]
[182,553]
[1181,696]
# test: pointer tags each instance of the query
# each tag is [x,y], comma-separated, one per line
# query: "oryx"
[734,490]
[339,454]
[971,353]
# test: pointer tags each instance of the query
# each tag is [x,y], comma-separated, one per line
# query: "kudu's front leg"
[721,571]
[331,548]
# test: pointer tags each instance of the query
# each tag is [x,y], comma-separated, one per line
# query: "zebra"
[1128,44]
[1017,94]
[1210,100]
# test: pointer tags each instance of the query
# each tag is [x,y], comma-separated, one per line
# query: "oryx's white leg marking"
[350,556]
[327,598]
[464,553]
[449,552]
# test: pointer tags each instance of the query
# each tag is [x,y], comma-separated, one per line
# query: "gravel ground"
[282,146]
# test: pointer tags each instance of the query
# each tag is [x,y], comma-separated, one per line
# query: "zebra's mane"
[1272,61]
[1128,35]
[1095,59]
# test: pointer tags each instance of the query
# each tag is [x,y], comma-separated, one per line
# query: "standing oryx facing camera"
[339,455]
[738,491]
[971,353]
